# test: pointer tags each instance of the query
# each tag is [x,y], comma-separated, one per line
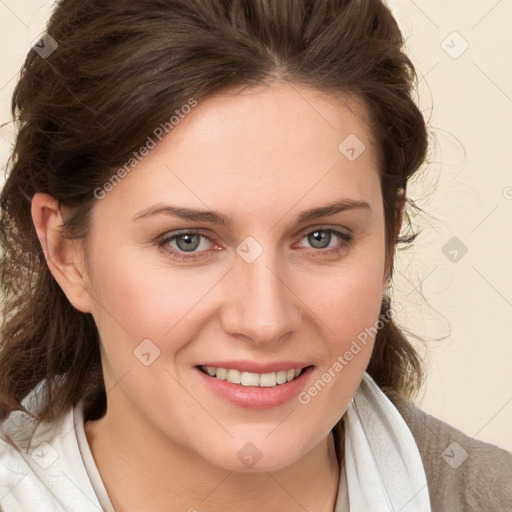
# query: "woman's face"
[259,280]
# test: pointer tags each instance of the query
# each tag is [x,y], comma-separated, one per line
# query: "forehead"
[274,117]
[281,141]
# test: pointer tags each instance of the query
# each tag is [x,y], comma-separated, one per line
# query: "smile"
[266,380]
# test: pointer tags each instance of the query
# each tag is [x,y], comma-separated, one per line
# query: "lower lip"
[255,397]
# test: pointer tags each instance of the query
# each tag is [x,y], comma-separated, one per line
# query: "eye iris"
[319,237]
[192,242]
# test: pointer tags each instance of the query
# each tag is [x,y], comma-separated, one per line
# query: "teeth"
[281,376]
[221,373]
[249,379]
[264,380]
[234,376]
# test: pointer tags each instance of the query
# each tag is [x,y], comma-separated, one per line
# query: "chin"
[259,455]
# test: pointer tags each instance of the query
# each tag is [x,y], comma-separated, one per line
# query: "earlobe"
[64,257]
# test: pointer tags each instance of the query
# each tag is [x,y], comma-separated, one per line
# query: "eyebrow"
[223,220]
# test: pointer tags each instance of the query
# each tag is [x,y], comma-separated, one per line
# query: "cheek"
[137,300]
[347,304]
[349,309]
[358,301]
[347,299]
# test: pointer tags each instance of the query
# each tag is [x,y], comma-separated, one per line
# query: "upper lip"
[255,367]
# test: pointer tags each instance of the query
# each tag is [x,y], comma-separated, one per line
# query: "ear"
[64,257]
[398,219]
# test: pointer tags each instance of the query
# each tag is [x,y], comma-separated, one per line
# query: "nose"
[261,304]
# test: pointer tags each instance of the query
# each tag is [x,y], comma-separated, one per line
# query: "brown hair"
[123,67]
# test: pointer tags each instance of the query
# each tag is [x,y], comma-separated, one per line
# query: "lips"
[247,393]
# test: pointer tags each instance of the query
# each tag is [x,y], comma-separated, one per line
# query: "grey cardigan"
[463,473]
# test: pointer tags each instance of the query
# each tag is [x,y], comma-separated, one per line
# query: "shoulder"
[463,473]
[26,453]
[41,466]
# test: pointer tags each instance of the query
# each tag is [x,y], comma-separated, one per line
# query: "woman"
[198,230]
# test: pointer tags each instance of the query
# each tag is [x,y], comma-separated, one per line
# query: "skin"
[261,157]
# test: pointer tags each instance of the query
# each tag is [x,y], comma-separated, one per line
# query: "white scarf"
[383,466]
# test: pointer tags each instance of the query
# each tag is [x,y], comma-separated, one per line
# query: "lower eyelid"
[344,237]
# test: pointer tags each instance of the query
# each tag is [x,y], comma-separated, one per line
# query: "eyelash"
[346,238]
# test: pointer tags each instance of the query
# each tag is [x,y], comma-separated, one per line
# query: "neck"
[146,471]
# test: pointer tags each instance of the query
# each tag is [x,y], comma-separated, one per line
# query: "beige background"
[461,50]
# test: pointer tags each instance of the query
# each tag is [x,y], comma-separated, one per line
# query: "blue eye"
[186,244]
[321,238]
[191,245]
